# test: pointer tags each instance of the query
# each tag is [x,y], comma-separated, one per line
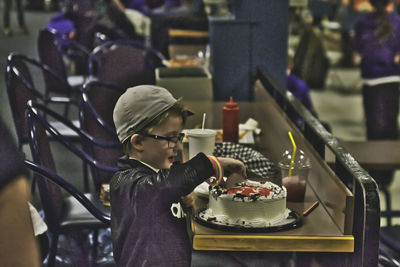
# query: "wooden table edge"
[274,243]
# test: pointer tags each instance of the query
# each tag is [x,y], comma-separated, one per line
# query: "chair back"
[20,89]
[39,131]
[124,62]
[96,118]
[75,51]
[50,194]
[50,55]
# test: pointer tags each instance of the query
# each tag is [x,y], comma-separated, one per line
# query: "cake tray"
[292,221]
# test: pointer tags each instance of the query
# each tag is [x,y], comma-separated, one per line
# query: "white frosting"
[250,211]
[207,215]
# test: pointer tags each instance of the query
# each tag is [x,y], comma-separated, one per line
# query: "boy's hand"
[234,170]
[397,59]
[188,201]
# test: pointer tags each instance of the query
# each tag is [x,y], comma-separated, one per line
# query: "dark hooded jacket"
[144,231]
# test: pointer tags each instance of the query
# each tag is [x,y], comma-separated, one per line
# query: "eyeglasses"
[172,141]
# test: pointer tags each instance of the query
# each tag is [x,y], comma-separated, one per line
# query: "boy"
[149,121]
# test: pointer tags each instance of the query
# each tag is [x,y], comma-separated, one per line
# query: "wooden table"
[327,229]
[317,234]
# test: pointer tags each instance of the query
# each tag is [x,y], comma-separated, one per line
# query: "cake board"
[293,220]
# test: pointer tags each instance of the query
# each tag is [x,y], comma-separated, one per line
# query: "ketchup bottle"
[230,120]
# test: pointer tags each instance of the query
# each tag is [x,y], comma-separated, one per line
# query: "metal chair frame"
[95,115]
[51,55]
[87,103]
[40,113]
[71,189]
[44,165]
[23,75]
[78,48]
[151,56]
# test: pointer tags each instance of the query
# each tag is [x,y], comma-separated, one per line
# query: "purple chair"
[21,87]
[125,63]
[51,55]
[96,118]
[71,49]
[63,214]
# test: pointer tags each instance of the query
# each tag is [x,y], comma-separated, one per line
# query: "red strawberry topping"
[250,190]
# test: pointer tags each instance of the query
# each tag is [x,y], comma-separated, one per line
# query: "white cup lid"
[201,132]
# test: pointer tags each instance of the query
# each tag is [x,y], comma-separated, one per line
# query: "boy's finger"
[233,179]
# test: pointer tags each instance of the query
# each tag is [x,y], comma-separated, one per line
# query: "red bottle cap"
[231,103]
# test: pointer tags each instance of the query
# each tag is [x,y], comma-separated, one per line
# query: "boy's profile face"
[156,152]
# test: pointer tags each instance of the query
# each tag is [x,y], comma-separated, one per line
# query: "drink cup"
[296,182]
[201,140]
[296,188]
[301,172]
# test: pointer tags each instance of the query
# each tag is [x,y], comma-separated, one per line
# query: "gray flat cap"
[138,106]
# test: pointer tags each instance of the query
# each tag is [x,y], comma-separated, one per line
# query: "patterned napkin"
[255,162]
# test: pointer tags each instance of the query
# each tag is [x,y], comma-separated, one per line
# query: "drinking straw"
[311,208]
[293,154]
[204,120]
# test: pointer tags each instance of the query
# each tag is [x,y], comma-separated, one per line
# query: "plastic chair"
[125,63]
[50,55]
[62,214]
[21,88]
[96,118]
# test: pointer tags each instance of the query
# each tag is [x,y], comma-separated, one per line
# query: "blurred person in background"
[20,16]
[377,40]
[298,87]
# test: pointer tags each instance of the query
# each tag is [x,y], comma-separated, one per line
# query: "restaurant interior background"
[338,102]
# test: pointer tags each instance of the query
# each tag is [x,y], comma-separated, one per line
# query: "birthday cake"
[249,204]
